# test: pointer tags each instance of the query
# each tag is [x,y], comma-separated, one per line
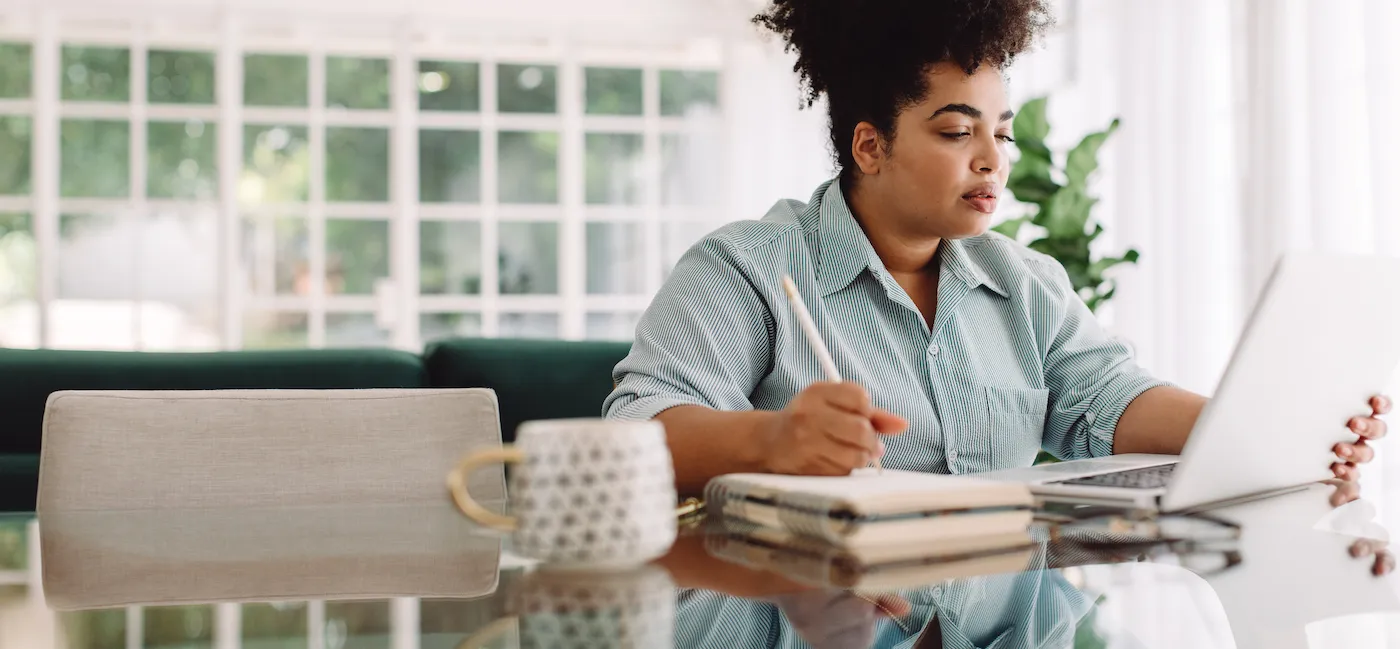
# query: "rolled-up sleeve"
[1091,376]
[705,340]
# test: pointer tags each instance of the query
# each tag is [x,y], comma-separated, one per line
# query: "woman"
[962,350]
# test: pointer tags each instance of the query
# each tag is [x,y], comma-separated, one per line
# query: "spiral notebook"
[872,508]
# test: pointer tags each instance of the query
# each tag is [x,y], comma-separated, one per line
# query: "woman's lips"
[983,204]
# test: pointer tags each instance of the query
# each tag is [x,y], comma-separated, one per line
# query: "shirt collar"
[844,250]
[958,258]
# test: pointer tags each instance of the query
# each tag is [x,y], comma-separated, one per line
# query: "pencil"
[814,339]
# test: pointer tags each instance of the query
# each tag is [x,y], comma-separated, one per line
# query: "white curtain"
[1322,147]
[1250,128]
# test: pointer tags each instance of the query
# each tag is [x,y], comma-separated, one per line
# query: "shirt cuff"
[645,408]
[1103,414]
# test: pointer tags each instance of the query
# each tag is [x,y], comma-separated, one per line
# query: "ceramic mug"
[593,492]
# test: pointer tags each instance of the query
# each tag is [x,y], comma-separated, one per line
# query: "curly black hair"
[869,57]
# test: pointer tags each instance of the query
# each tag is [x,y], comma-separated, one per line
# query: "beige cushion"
[123,450]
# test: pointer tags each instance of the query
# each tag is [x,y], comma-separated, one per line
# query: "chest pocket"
[1017,424]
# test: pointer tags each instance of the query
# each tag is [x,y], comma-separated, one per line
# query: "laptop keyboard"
[1152,477]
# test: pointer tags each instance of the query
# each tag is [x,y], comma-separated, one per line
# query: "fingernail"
[1359,425]
[880,449]
[1346,451]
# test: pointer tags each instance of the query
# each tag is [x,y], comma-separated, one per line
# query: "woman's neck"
[902,252]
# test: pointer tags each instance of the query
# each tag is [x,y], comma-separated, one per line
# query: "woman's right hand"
[828,429]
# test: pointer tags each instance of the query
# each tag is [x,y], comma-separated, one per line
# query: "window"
[272,196]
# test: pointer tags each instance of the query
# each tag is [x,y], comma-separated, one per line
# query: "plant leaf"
[1066,214]
[1083,159]
[1097,268]
[1031,128]
[1030,180]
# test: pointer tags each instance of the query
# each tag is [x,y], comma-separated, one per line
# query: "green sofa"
[533,379]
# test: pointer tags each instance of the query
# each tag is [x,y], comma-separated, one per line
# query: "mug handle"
[457,486]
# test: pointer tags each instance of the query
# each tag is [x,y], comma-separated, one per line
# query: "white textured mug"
[592,492]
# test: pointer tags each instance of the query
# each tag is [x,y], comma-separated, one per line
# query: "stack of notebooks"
[871,530]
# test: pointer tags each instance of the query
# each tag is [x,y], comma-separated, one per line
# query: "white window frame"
[396,303]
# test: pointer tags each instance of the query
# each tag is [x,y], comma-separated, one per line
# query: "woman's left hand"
[1351,456]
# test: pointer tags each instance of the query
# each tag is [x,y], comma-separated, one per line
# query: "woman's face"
[950,159]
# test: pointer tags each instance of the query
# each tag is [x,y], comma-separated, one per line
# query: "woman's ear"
[868,148]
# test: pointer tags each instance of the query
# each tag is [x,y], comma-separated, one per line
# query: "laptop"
[1323,338]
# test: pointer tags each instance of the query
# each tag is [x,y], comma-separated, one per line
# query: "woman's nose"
[989,158]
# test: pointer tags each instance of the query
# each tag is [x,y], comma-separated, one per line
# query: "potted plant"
[1058,197]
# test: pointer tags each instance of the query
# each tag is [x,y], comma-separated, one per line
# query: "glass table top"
[1288,571]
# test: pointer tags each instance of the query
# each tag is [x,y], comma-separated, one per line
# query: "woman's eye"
[1007,138]
[957,136]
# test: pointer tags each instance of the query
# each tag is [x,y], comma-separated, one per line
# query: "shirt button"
[937,591]
[953,455]
[933,351]
[1089,418]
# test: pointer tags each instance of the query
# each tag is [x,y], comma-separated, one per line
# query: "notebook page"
[861,485]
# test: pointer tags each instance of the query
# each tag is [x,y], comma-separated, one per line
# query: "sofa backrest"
[28,377]
[533,379]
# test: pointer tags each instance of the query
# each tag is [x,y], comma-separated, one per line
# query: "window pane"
[678,237]
[449,85]
[354,330]
[691,169]
[614,258]
[180,161]
[97,279]
[15,136]
[612,168]
[684,90]
[276,255]
[96,260]
[612,91]
[178,280]
[276,164]
[449,257]
[275,80]
[269,330]
[14,70]
[357,255]
[180,77]
[186,627]
[529,325]
[101,629]
[95,159]
[277,625]
[529,170]
[437,326]
[529,258]
[19,282]
[361,625]
[527,88]
[611,326]
[357,164]
[449,166]
[357,83]
[96,73]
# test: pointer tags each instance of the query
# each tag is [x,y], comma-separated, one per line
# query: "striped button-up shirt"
[1012,363]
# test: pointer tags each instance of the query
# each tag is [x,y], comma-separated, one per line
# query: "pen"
[809,329]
